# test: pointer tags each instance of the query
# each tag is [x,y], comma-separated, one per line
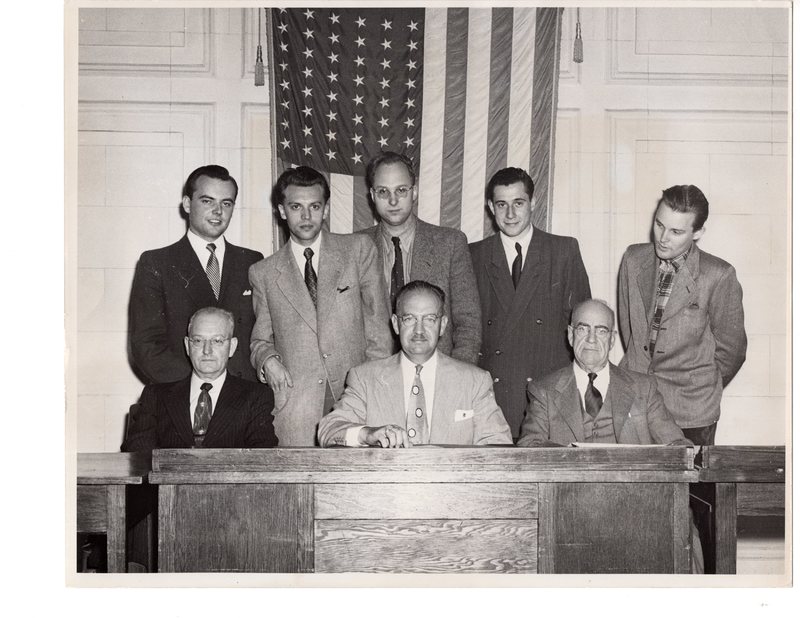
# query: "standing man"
[320,306]
[410,249]
[420,395]
[681,316]
[529,281]
[202,269]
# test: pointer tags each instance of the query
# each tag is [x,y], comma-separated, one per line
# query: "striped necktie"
[212,269]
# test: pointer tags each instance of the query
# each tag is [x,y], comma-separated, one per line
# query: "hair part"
[302,176]
[388,158]
[687,198]
[421,286]
[214,311]
[211,171]
[509,176]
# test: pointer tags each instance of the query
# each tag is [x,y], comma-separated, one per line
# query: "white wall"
[664,96]
[686,96]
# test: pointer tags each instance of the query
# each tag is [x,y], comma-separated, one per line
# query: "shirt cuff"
[351,436]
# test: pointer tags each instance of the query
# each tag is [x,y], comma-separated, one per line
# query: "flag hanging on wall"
[462,92]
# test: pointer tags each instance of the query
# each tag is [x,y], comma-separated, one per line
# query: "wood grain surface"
[113,468]
[426,546]
[761,499]
[749,464]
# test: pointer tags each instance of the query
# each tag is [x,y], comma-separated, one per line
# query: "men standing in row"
[420,395]
[681,315]
[202,269]
[528,281]
[410,249]
[321,308]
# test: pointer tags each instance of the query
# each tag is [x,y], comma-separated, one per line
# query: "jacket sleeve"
[622,303]
[536,424]
[349,411]
[374,301]
[260,432]
[577,287]
[142,425]
[149,330]
[490,426]
[262,339]
[663,429]
[465,305]
[726,315]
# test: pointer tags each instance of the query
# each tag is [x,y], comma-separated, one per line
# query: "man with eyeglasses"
[593,400]
[211,408]
[320,309]
[528,281]
[410,249]
[420,395]
[202,269]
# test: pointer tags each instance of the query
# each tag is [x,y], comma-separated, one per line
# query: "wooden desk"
[103,479]
[426,509]
[749,480]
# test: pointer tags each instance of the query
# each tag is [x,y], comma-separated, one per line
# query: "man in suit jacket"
[171,283]
[528,281]
[410,249]
[320,309]
[592,400]
[681,315]
[420,395]
[209,409]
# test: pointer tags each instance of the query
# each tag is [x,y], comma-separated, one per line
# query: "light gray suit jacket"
[464,409]
[555,414]
[702,342]
[441,256]
[349,325]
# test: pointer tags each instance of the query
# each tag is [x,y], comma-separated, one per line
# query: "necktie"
[666,276]
[310,275]
[397,271]
[592,397]
[212,269]
[202,414]
[516,267]
[416,418]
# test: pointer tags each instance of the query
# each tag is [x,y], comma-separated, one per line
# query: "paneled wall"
[686,96]
[664,96]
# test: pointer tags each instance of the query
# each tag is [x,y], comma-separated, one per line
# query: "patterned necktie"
[310,275]
[397,271]
[666,277]
[592,397]
[212,269]
[516,267]
[416,418]
[202,414]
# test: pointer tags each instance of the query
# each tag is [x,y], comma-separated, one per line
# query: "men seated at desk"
[419,395]
[212,408]
[593,400]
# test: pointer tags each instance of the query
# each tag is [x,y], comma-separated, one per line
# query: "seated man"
[211,408]
[419,395]
[593,400]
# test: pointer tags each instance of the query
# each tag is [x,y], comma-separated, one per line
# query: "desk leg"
[725,527]
[115,535]
[681,525]
[547,528]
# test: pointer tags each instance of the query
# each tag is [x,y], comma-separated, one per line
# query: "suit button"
[496,380]
[529,379]
[489,322]
[539,322]
[319,381]
[325,355]
[645,348]
[650,371]
[497,352]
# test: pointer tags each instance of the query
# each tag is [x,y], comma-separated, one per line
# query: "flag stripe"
[341,210]
[433,112]
[500,92]
[522,66]
[362,211]
[477,121]
[456,89]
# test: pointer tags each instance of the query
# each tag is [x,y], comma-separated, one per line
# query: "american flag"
[463,92]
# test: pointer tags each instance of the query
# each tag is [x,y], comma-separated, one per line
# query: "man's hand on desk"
[275,374]
[387,436]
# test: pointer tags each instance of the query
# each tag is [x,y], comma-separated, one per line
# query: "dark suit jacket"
[639,417]
[702,343]
[525,330]
[169,285]
[440,256]
[242,417]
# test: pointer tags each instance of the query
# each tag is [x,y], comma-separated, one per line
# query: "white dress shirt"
[194,391]
[510,250]
[601,382]
[298,249]
[201,250]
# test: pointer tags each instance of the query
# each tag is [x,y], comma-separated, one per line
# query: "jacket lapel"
[233,269]
[646,280]
[620,398]
[228,403]
[293,286]
[528,283]
[683,288]
[331,265]
[177,404]
[191,274]
[499,274]
[391,390]
[568,404]
[422,259]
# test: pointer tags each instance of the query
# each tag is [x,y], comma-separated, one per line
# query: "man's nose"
[305,213]
[663,237]
[216,208]
[207,346]
[392,198]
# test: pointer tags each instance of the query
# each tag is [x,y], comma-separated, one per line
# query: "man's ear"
[490,206]
[442,325]
[395,324]
[281,212]
[570,334]
[326,210]
[186,203]
[186,345]
[234,345]
[698,234]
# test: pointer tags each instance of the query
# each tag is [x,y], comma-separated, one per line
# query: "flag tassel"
[259,69]
[577,48]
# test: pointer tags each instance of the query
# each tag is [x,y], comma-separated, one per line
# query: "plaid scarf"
[666,276]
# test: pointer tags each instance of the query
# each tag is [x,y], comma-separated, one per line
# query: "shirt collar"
[216,383]
[200,247]
[406,236]
[429,364]
[677,262]
[601,382]
[298,249]
[523,239]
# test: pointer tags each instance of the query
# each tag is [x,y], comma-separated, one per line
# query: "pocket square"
[247,293]
[344,289]
[462,415]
